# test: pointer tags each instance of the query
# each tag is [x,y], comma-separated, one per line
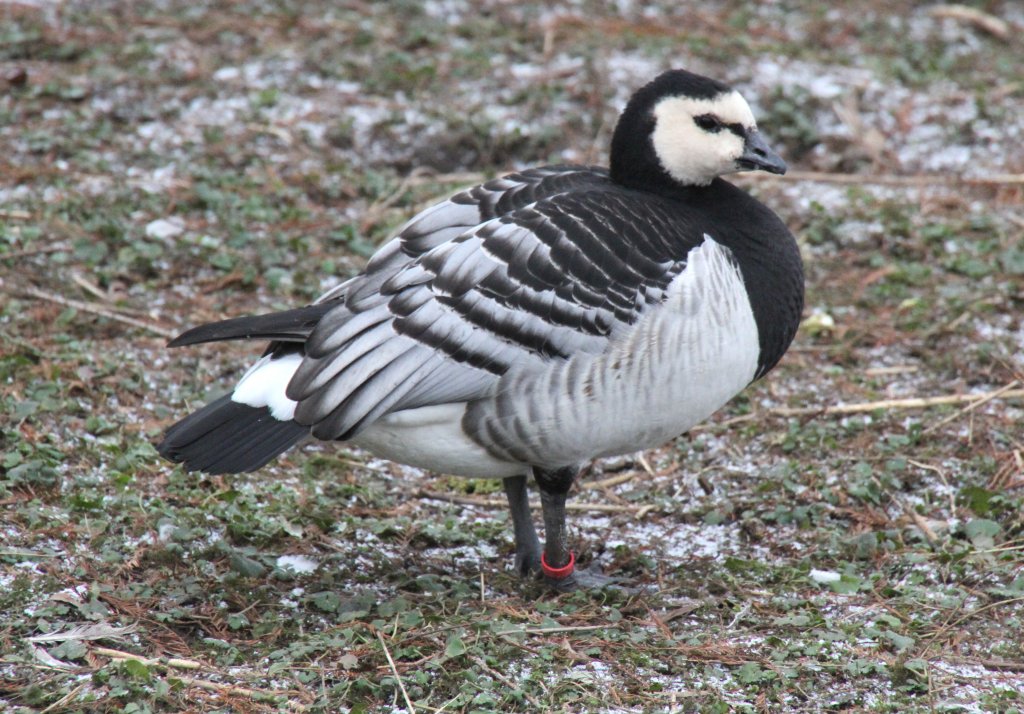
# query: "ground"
[166,163]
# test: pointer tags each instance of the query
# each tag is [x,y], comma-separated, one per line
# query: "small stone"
[16,76]
[164,228]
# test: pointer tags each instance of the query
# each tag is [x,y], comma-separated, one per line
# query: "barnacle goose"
[536,321]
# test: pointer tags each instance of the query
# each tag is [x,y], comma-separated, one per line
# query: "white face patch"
[691,155]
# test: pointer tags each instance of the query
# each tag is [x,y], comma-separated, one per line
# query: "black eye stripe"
[708,122]
[712,124]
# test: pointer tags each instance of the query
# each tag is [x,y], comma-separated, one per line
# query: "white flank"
[264,384]
[432,438]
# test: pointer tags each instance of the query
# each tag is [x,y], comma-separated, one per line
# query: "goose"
[535,322]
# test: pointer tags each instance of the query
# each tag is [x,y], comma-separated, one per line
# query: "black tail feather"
[287,326]
[227,437]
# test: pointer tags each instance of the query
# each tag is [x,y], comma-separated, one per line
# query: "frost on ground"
[167,163]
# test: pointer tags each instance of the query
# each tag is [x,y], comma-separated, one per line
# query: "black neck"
[633,162]
[767,255]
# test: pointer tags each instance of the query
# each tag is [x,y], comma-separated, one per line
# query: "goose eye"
[708,122]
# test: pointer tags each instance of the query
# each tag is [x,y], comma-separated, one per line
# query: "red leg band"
[558,573]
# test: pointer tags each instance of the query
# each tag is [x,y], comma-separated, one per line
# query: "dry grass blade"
[868,407]
[895,404]
[973,16]
[997,665]
[974,405]
[615,480]
[29,252]
[176,663]
[553,630]
[66,699]
[96,310]
[952,626]
[205,684]
[500,503]
[916,181]
[394,670]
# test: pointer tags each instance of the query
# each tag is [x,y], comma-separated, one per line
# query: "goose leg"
[557,562]
[527,561]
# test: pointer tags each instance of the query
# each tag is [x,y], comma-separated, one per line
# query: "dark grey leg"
[558,559]
[559,563]
[527,542]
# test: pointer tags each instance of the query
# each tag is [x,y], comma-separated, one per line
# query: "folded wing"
[563,275]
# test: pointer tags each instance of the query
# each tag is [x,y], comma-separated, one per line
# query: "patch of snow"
[299,564]
[227,74]
[823,577]
[157,180]
[166,530]
[165,228]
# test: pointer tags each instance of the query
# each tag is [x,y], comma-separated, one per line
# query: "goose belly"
[432,438]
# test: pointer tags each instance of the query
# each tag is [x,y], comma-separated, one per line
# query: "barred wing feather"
[563,275]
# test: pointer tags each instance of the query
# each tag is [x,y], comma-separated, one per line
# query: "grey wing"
[539,283]
[463,211]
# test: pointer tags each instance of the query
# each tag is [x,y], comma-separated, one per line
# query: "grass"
[168,163]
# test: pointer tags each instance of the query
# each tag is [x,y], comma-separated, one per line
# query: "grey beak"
[757,156]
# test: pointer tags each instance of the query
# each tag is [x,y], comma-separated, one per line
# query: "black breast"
[766,252]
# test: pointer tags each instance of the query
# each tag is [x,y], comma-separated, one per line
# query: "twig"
[967,616]
[911,403]
[394,670]
[921,523]
[378,207]
[896,369]
[96,310]
[507,682]
[861,407]
[192,681]
[175,662]
[919,180]
[232,689]
[608,482]
[942,477]
[972,16]
[88,287]
[739,616]
[647,465]
[466,178]
[974,405]
[554,630]
[884,404]
[66,699]
[639,511]
[996,664]
[29,252]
